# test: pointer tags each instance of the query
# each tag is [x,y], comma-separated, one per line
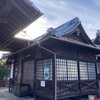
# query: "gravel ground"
[5,95]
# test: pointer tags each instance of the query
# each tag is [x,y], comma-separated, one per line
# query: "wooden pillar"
[54,78]
[79,84]
[22,67]
[96,75]
[78,68]
[34,83]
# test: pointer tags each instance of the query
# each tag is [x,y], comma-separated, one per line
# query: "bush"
[4,73]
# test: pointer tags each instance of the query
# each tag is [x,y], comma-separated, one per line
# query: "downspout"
[55,75]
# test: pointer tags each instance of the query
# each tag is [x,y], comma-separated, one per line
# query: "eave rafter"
[3,20]
[8,6]
[15,15]
[6,9]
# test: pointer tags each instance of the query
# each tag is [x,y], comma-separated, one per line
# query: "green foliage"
[4,72]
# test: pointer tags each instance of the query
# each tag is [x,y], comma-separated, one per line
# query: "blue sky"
[57,12]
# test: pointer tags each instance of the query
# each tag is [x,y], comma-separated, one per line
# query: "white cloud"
[57,12]
[97,2]
[37,28]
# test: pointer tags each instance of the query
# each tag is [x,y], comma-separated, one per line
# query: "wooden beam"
[89,85]
[20,8]
[9,43]
[3,20]
[7,8]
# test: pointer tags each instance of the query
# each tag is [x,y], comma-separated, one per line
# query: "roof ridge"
[67,27]
[61,30]
[69,22]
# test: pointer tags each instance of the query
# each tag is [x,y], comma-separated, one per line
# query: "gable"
[79,35]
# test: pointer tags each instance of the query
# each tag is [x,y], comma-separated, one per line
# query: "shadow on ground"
[5,95]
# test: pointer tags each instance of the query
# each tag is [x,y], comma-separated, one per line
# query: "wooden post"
[96,75]
[78,67]
[55,77]
[54,71]
[34,83]
[79,75]
[22,68]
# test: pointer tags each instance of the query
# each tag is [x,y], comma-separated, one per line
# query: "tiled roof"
[66,28]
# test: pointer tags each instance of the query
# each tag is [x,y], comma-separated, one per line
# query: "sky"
[57,12]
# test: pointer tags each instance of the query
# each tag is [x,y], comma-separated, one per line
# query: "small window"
[61,69]
[87,71]
[44,69]
[72,70]
[98,68]
[67,69]
[83,71]
[91,71]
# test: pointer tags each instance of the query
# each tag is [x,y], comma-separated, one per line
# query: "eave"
[15,15]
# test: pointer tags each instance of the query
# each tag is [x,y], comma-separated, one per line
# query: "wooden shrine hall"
[60,64]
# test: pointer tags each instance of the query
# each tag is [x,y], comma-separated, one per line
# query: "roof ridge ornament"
[50,30]
[98,32]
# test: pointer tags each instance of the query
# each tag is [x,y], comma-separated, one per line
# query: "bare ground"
[5,95]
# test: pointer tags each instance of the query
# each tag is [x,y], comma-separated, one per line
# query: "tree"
[4,72]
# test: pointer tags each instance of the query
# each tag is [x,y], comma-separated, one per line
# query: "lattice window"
[91,71]
[28,70]
[98,68]
[61,69]
[72,70]
[83,71]
[67,69]
[40,69]
[87,71]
